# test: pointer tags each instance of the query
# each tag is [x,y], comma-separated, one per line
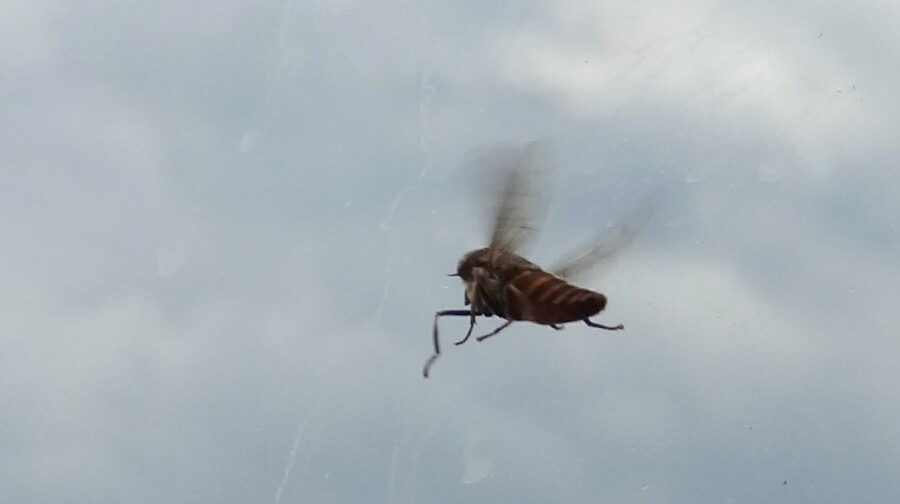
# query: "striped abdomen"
[540,297]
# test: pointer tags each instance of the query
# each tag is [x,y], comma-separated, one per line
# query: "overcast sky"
[225,228]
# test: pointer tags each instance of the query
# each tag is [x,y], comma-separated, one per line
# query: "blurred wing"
[601,253]
[518,203]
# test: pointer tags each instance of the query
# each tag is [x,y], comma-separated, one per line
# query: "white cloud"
[705,62]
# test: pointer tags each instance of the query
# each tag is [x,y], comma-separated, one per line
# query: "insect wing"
[519,202]
[600,254]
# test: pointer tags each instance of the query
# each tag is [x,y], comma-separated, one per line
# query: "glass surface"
[225,228]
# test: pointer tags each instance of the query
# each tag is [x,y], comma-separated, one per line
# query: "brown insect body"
[516,289]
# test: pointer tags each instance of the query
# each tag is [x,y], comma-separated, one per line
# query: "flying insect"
[498,281]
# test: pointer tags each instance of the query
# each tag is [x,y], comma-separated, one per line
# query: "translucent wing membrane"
[599,255]
[520,205]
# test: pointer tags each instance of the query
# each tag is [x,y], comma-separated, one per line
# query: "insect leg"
[437,346]
[471,326]
[495,331]
[601,326]
[557,327]
[469,333]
